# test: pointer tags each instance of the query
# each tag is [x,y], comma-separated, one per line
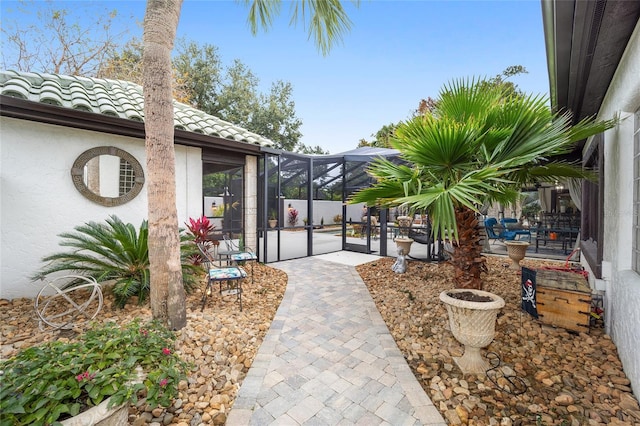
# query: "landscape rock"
[572,379]
[566,374]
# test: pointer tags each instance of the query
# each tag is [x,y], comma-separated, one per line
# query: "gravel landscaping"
[568,378]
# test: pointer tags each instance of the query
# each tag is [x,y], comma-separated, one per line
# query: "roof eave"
[51,114]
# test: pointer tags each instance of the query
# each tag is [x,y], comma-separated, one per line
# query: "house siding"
[39,201]
[622,284]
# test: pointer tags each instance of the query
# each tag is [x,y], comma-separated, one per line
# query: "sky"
[396,53]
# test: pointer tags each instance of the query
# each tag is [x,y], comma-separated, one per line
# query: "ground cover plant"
[59,379]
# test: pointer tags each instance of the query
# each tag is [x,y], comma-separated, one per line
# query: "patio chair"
[375,229]
[423,235]
[504,234]
[231,275]
[519,232]
[236,256]
[489,223]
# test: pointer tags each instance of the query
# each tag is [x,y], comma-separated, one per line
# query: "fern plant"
[115,251]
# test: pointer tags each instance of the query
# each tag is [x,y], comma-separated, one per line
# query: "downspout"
[549,26]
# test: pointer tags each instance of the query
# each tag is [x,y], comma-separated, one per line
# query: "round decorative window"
[107,175]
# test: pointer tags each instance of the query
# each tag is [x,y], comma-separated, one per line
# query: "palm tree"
[477,146]
[166,289]
[326,21]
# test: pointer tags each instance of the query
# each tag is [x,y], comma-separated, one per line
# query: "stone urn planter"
[273,223]
[472,319]
[516,251]
[100,415]
[404,244]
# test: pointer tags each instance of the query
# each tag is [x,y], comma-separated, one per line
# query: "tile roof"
[115,98]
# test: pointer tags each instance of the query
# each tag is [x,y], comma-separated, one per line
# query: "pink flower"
[163,382]
[144,332]
[85,376]
[166,351]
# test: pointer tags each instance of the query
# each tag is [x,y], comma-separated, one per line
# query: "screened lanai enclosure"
[286,205]
[303,210]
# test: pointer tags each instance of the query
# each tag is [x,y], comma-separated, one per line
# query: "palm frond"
[261,13]
[440,143]
[326,21]
[588,127]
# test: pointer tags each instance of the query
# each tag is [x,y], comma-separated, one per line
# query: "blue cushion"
[231,273]
[245,255]
[509,235]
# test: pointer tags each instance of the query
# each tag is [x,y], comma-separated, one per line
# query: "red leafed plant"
[293,217]
[200,228]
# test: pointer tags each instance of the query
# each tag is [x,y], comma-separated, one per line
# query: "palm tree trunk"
[166,288]
[466,259]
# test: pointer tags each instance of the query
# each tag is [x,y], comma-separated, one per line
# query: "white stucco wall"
[622,297]
[39,201]
[322,209]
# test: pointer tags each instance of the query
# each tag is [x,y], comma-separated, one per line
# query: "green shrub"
[47,383]
[116,251]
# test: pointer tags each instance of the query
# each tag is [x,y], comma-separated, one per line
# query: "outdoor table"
[564,236]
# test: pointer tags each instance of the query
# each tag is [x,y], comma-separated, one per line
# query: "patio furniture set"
[225,267]
[552,230]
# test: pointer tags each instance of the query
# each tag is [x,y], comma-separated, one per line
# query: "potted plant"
[273,218]
[292,220]
[201,230]
[217,211]
[479,145]
[108,366]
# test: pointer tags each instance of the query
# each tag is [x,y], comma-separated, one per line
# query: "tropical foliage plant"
[116,251]
[479,145]
[292,218]
[200,228]
[50,382]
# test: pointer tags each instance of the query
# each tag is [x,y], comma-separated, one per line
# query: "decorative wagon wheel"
[61,306]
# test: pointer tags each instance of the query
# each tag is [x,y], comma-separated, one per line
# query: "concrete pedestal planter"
[404,244]
[516,251]
[273,223]
[473,324]
[100,415]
